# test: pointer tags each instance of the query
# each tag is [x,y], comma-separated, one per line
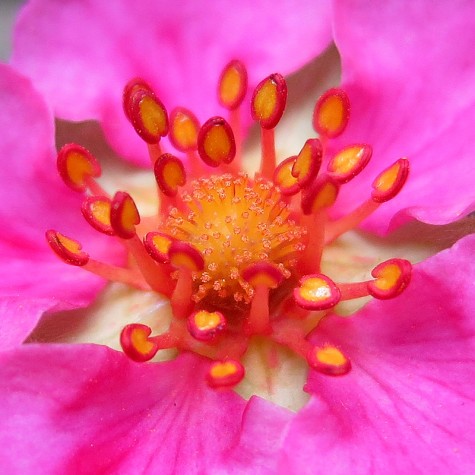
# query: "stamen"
[216,143]
[392,277]
[205,326]
[158,246]
[170,174]
[322,193]
[96,210]
[136,342]
[317,292]
[78,168]
[262,276]
[331,114]
[390,182]
[308,161]
[283,178]
[67,249]
[267,106]
[184,129]
[133,86]
[349,162]
[225,374]
[124,215]
[329,360]
[232,85]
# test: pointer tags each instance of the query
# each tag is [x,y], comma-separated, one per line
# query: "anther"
[216,143]
[158,245]
[349,162]
[307,163]
[78,167]
[328,360]
[267,106]
[170,174]
[316,292]
[232,85]
[225,374]
[96,210]
[322,193]
[137,344]
[331,114]
[392,277]
[67,249]
[124,215]
[205,326]
[390,182]
[288,184]
[133,86]
[184,129]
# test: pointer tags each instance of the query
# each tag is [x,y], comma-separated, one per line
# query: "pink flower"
[407,402]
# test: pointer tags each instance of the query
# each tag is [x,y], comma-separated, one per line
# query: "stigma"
[237,255]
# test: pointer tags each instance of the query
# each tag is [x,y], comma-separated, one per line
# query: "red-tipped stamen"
[133,86]
[283,178]
[328,360]
[390,182]
[225,374]
[317,292]
[67,249]
[96,210]
[170,174]
[124,215]
[184,129]
[187,259]
[216,143]
[262,276]
[385,187]
[349,162]
[78,168]
[205,326]
[158,246]
[321,194]
[331,114]
[267,106]
[307,163]
[392,277]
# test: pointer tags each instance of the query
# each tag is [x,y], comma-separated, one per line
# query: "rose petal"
[409,401]
[180,49]
[412,96]
[88,409]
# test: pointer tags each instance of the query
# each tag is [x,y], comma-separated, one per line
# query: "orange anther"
[133,86]
[328,360]
[232,85]
[263,274]
[76,165]
[136,342]
[308,161]
[67,249]
[184,129]
[269,100]
[96,210]
[124,215]
[216,143]
[349,162]
[204,325]
[225,374]
[158,245]
[332,112]
[169,173]
[390,182]
[392,277]
[185,256]
[322,193]
[317,292]
[283,178]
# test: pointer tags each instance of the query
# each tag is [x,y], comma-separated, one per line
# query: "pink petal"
[88,409]
[81,54]
[31,192]
[408,404]
[409,71]
[262,433]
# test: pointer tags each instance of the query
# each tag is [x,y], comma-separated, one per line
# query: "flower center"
[238,257]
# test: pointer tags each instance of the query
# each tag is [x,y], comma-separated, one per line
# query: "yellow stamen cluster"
[234,222]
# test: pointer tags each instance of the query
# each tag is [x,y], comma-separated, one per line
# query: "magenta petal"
[408,404]
[30,193]
[88,409]
[81,54]
[412,96]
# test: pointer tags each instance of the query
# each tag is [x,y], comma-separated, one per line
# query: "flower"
[387,345]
